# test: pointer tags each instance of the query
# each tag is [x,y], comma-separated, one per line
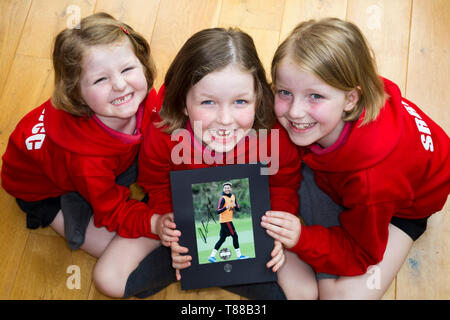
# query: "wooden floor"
[411,42]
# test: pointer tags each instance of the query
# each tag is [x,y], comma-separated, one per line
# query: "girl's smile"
[301,127]
[123,99]
[308,108]
[113,84]
[223,103]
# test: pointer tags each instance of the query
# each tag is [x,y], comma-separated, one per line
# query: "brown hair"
[68,50]
[207,51]
[337,52]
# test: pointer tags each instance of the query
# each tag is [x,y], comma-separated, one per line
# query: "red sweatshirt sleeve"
[154,170]
[285,183]
[111,202]
[349,249]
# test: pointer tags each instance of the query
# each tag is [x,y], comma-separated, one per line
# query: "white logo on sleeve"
[425,137]
[35,141]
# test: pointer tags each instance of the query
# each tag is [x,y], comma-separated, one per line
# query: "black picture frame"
[225,273]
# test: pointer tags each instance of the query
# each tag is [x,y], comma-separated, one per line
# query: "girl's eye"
[240,101]
[207,102]
[99,80]
[316,96]
[284,93]
[127,69]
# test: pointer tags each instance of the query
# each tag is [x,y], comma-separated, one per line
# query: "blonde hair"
[337,52]
[207,51]
[69,47]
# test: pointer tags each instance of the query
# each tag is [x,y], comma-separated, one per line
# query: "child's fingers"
[275,260]
[181,262]
[169,224]
[180,266]
[279,214]
[166,240]
[277,222]
[278,257]
[272,262]
[284,240]
[171,232]
[170,215]
[283,219]
[290,220]
[280,263]
[177,274]
[275,228]
[169,235]
[178,249]
[181,259]
[277,248]
[165,243]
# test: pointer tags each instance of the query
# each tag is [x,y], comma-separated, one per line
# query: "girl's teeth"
[302,126]
[123,99]
[223,133]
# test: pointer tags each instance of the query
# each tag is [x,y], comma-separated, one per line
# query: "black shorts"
[227,229]
[414,228]
[40,213]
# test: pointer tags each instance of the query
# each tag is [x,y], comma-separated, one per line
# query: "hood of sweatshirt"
[364,146]
[90,137]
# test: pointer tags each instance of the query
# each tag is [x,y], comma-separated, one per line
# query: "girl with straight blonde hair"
[370,150]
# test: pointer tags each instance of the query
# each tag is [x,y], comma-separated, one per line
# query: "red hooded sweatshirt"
[52,152]
[156,162]
[397,165]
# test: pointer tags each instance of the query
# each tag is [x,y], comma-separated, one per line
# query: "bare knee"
[330,290]
[333,289]
[307,292]
[297,279]
[109,280]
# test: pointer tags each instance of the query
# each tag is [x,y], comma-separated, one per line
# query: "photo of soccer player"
[223,219]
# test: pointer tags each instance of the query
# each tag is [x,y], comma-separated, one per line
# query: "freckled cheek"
[95,96]
[203,117]
[245,120]
[137,81]
[281,107]
[142,82]
[319,114]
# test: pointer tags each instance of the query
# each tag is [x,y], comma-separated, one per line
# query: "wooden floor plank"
[13,239]
[425,273]
[45,19]
[177,20]
[28,85]
[46,268]
[296,11]
[139,14]
[429,63]
[12,21]
[386,26]
[251,14]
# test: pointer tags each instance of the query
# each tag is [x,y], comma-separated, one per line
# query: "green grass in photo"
[244,230]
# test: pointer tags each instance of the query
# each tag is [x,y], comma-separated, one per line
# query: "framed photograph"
[218,211]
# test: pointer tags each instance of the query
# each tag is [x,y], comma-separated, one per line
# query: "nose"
[224,115]
[119,83]
[297,109]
